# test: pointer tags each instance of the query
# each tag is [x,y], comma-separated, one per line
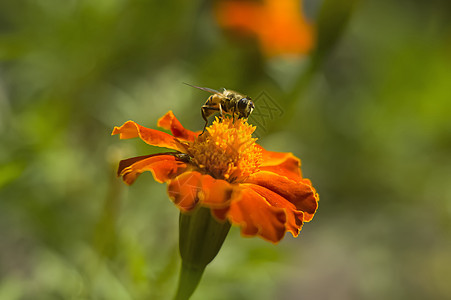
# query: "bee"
[229,102]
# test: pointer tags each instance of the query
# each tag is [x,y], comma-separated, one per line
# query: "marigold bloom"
[278,25]
[224,170]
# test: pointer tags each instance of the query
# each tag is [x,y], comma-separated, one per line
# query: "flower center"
[227,150]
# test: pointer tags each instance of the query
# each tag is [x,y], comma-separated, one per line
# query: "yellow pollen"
[227,150]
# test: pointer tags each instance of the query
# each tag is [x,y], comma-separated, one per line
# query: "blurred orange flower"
[278,25]
[261,191]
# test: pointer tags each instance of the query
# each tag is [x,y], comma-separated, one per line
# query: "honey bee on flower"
[229,102]
[226,171]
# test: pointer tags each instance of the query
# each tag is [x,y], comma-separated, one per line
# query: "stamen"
[227,150]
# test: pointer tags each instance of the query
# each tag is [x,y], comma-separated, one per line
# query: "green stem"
[190,277]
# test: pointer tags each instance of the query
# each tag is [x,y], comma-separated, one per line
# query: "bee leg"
[204,111]
[220,112]
[205,118]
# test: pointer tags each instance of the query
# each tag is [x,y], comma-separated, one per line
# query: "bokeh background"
[359,90]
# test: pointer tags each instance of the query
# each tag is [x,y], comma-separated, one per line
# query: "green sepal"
[200,239]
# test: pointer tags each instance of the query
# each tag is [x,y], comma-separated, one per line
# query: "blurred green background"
[368,112]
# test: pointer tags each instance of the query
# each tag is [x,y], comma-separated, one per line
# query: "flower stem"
[200,238]
[190,277]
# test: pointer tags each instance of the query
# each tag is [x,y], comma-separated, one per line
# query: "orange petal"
[294,218]
[170,122]
[286,30]
[152,137]
[273,159]
[220,213]
[301,193]
[256,216]
[184,190]
[309,216]
[217,193]
[284,164]
[279,25]
[163,167]
[236,15]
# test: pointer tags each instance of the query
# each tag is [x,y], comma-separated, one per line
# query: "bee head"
[245,106]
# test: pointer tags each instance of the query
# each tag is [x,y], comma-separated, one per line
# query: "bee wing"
[204,89]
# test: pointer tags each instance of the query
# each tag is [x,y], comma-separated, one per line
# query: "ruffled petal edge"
[300,193]
[150,136]
[256,216]
[170,122]
[163,167]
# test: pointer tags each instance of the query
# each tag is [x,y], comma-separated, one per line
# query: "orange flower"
[261,191]
[278,25]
